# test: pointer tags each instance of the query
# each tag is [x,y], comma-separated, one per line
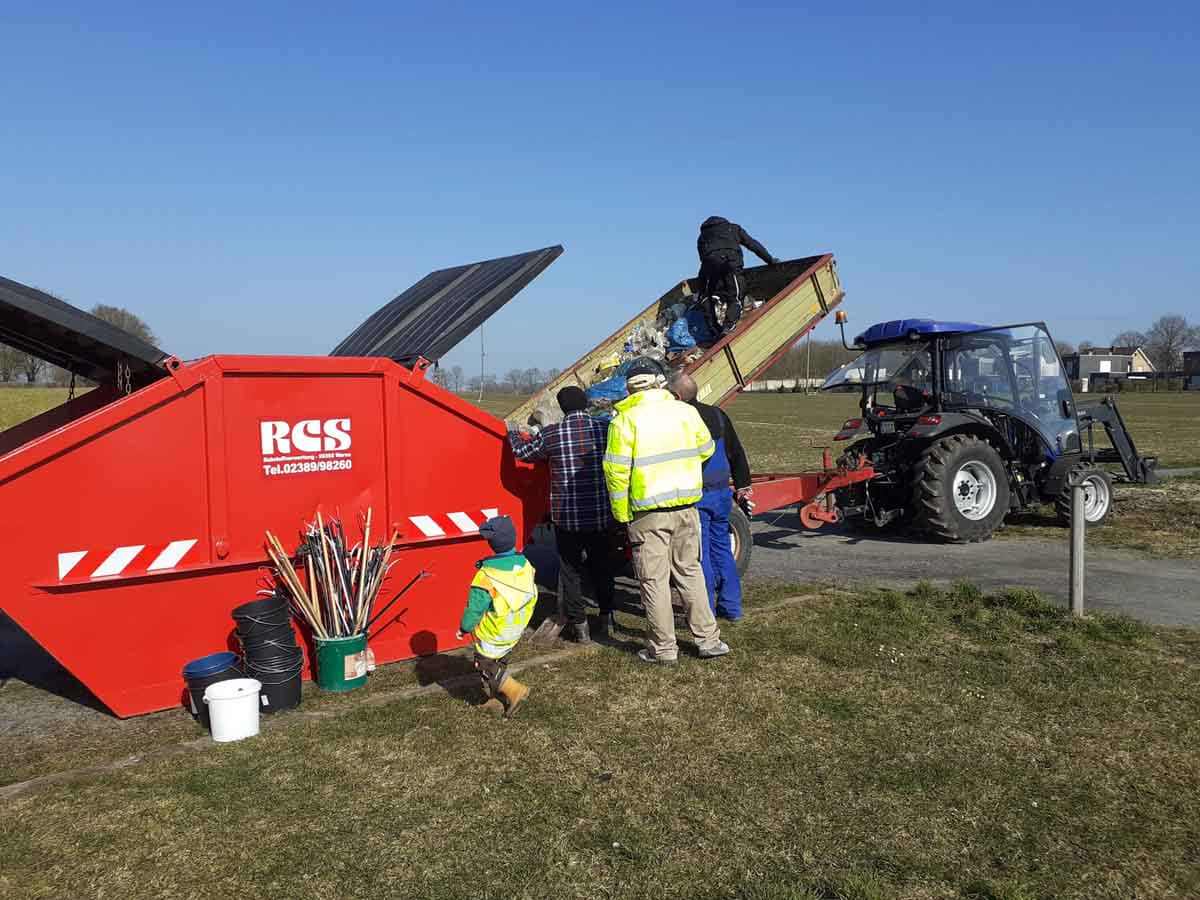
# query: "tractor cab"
[965,423]
[917,373]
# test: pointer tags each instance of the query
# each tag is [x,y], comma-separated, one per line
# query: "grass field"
[858,746]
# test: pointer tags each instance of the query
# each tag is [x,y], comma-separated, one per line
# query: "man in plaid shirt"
[579,506]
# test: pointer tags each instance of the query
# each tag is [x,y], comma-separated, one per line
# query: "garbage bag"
[690,330]
[611,389]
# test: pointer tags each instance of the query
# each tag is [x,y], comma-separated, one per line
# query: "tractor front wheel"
[1097,496]
[960,489]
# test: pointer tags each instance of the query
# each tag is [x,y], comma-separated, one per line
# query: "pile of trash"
[677,337]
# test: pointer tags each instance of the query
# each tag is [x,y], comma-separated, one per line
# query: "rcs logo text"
[308,436]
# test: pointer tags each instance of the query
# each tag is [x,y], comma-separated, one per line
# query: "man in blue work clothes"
[579,507]
[728,461]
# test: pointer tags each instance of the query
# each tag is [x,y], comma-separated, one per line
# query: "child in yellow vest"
[500,605]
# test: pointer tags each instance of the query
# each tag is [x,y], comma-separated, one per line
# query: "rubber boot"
[493,705]
[515,694]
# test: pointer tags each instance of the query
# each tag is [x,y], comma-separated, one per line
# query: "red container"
[141,520]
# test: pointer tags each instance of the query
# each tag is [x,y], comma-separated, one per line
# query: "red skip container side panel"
[142,522]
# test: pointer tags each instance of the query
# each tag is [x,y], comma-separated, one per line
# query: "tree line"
[817,361]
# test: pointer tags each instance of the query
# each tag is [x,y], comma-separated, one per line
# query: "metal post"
[482,377]
[1078,530]
[808,363]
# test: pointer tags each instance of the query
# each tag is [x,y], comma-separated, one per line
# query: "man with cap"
[727,462]
[500,604]
[579,507]
[721,262]
[656,446]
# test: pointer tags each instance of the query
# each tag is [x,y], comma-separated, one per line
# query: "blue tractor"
[966,423]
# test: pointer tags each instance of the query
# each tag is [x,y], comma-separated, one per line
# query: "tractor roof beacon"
[965,423]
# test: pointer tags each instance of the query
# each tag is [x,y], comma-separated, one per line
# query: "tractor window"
[976,371]
[1014,369]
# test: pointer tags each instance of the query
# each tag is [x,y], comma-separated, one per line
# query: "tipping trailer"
[795,296]
[136,512]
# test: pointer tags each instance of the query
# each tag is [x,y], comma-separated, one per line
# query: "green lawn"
[863,746]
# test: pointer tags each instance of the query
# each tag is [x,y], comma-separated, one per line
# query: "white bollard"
[1078,530]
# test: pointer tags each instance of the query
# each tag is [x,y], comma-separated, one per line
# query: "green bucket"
[341,662]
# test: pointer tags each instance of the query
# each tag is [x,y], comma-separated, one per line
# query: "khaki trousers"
[666,548]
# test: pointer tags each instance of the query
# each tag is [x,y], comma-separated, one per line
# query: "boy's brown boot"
[515,693]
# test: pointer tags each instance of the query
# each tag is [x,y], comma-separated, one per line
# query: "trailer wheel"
[960,490]
[740,540]
[1097,497]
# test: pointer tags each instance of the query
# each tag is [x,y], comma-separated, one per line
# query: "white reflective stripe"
[490,513]
[618,495]
[428,527]
[170,557]
[655,458]
[68,561]
[463,521]
[709,447]
[494,651]
[660,499]
[617,459]
[118,560]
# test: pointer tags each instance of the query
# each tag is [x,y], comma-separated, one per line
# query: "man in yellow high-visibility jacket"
[656,446]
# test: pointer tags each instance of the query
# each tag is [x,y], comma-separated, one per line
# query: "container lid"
[444,307]
[51,329]
[211,664]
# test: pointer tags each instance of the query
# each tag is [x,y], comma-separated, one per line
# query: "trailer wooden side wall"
[798,293]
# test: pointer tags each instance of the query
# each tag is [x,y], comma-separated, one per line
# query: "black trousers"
[722,281]
[580,553]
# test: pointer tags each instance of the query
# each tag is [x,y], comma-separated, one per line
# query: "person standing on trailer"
[727,462]
[656,447]
[500,604]
[579,507]
[722,284]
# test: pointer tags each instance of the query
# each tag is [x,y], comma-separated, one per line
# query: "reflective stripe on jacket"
[656,447]
[514,595]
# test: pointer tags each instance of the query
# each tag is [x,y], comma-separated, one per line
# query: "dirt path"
[1165,592]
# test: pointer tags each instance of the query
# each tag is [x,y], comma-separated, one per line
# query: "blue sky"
[260,181]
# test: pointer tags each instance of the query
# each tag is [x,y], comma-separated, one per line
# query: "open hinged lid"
[33,321]
[441,309]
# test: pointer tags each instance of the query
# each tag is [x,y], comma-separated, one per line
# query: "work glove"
[744,497]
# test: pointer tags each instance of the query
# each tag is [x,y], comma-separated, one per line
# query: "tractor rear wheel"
[741,542]
[1097,496]
[960,489]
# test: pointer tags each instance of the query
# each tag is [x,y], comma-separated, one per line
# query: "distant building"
[1191,362]
[1106,364]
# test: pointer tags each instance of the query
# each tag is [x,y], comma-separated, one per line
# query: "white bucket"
[233,708]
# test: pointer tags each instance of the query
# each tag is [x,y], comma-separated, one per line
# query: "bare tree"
[1167,339]
[1129,339]
[456,379]
[1065,348]
[125,320]
[1085,345]
[514,378]
[440,378]
[32,367]
[10,363]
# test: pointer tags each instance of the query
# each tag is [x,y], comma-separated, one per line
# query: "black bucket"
[279,674]
[259,617]
[256,648]
[200,673]
[268,641]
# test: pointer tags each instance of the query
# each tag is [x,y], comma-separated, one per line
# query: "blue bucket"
[206,670]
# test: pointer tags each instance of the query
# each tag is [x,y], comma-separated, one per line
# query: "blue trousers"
[716,555]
